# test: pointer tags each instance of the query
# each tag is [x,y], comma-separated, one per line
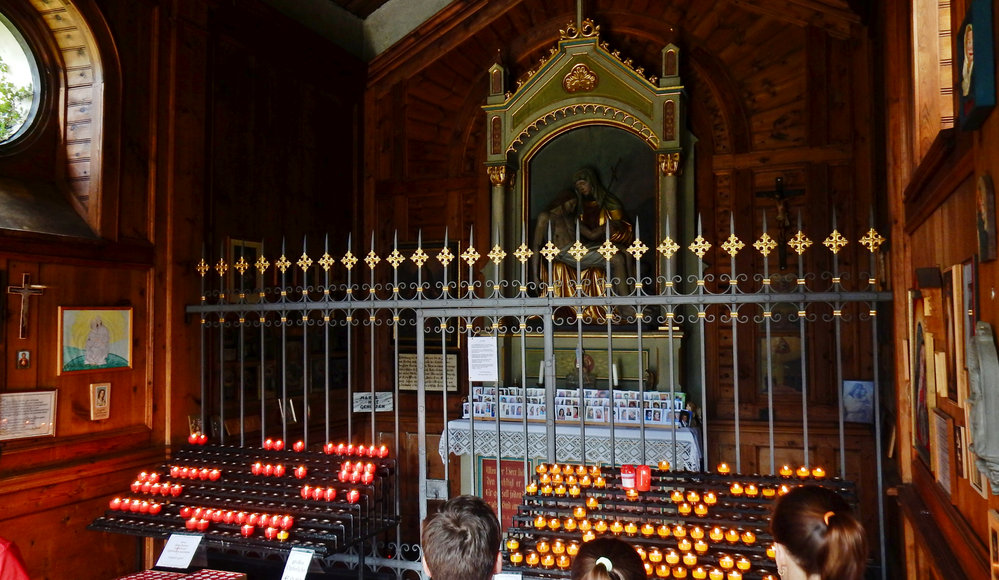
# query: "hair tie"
[827,516]
[606,562]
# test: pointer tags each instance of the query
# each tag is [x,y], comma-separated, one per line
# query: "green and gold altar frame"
[588,106]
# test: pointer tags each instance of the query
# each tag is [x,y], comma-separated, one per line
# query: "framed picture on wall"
[994,544]
[985,218]
[95,338]
[976,65]
[243,276]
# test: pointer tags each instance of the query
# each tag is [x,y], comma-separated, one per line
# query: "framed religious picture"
[993,545]
[95,338]
[921,381]
[976,65]
[243,277]
[985,218]
[100,401]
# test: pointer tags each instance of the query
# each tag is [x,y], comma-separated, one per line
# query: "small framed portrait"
[23,360]
[100,401]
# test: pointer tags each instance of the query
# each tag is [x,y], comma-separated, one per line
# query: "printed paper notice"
[483,365]
[297,565]
[179,550]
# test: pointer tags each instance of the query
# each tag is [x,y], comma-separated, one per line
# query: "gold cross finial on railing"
[800,242]
[835,242]
[578,250]
[241,265]
[523,253]
[372,259]
[304,262]
[395,258]
[419,257]
[700,246]
[765,244]
[549,251]
[202,267]
[637,249]
[470,255]
[282,263]
[496,254]
[872,240]
[445,256]
[326,262]
[221,267]
[262,264]
[349,260]
[607,250]
[732,245]
[668,247]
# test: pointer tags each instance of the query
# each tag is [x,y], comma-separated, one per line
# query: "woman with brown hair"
[607,559]
[817,536]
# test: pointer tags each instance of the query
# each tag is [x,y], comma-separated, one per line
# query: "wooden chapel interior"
[176,125]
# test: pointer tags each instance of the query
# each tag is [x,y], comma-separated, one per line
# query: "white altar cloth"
[677,445]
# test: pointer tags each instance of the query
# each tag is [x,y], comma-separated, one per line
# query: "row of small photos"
[658,408]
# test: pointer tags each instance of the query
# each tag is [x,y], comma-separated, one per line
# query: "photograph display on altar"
[651,408]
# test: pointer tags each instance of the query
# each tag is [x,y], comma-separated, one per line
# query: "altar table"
[678,445]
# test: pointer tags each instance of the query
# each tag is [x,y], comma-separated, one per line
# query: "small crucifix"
[26,290]
[783,217]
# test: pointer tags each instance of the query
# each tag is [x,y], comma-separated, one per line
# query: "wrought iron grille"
[364,310]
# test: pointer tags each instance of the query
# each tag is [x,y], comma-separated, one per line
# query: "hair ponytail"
[846,549]
[820,533]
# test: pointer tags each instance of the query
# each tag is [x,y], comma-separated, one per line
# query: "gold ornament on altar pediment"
[580,78]
[585,30]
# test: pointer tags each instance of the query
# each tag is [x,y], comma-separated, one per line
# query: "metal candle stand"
[326,527]
[656,508]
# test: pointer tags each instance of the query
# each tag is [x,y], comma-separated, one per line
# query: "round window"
[19,85]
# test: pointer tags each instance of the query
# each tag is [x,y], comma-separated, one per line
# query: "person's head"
[817,533]
[607,559]
[462,540]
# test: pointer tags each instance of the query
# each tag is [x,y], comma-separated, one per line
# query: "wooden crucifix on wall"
[783,215]
[26,290]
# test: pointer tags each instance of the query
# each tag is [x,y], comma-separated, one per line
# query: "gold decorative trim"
[669,163]
[497,174]
[580,78]
[586,30]
[605,112]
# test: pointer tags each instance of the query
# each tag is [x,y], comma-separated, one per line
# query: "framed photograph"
[993,545]
[243,276]
[784,359]
[921,389]
[27,414]
[97,338]
[948,339]
[985,218]
[100,401]
[858,401]
[23,359]
[976,65]
[976,478]
[943,450]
